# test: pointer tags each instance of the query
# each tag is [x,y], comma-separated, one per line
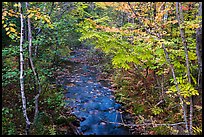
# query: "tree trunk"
[199,49]
[180,19]
[21,74]
[32,65]
[177,88]
[182,32]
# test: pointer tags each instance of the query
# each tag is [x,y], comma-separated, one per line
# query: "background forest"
[151,54]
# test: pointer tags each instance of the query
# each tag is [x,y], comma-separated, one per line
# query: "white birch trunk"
[21,74]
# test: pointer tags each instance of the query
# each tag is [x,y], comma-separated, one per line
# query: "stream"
[90,100]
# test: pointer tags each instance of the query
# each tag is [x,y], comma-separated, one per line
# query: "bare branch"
[32,65]
[141,23]
[159,102]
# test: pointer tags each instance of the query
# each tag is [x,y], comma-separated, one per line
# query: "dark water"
[91,101]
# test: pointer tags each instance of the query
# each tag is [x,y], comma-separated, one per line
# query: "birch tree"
[21,73]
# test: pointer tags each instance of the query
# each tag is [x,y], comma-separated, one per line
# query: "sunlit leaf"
[30,15]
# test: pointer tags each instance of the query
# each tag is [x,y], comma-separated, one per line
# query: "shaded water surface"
[91,101]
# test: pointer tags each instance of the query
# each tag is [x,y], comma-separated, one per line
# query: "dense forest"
[92,68]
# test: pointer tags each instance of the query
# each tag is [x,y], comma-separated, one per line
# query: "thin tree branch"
[159,102]
[141,23]
[176,83]
[32,65]
[182,32]
[199,48]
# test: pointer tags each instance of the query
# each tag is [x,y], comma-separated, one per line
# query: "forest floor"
[90,96]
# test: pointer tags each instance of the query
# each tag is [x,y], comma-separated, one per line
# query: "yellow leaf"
[10,14]
[4,13]
[7,29]
[28,11]
[16,5]
[48,21]
[196,26]
[30,15]
[11,11]
[12,24]
[7,32]
[188,103]
[174,21]
[198,107]
[10,35]
[12,29]
[36,18]
[5,25]
[51,26]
